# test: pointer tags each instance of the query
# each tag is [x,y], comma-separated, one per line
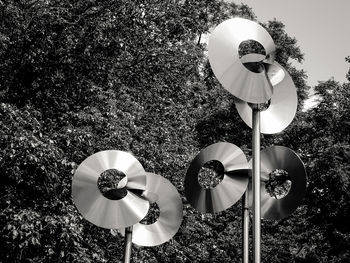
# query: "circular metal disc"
[282,108]
[164,193]
[100,210]
[232,186]
[227,66]
[279,157]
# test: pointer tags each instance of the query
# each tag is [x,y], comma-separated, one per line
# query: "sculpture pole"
[245,228]
[256,183]
[127,244]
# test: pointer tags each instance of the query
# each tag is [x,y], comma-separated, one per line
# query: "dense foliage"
[77,77]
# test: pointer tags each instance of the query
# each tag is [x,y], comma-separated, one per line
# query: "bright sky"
[322,29]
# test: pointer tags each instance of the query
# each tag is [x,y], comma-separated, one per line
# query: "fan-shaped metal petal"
[282,106]
[279,157]
[164,193]
[224,43]
[100,210]
[232,186]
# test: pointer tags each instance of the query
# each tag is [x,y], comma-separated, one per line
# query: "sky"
[322,29]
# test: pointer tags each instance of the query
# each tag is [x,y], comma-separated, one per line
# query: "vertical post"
[127,244]
[256,184]
[245,228]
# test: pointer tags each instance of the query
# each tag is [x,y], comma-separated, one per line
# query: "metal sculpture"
[227,66]
[252,86]
[283,158]
[254,79]
[232,186]
[266,100]
[125,211]
[162,192]
[100,210]
[280,110]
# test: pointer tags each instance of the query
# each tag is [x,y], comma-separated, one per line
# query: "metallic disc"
[227,66]
[279,157]
[100,210]
[232,186]
[282,108]
[164,193]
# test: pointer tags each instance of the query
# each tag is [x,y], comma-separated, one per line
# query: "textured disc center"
[108,182]
[211,174]
[251,53]
[152,215]
[279,183]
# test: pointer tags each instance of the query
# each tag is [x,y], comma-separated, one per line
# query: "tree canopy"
[77,77]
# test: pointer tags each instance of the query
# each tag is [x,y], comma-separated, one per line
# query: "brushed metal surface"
[280,157]
[245,228]
[274,71]
[223,51]
[100,210]
[128,244]
[232,186]
[164,193]
[256,168]
[282,108]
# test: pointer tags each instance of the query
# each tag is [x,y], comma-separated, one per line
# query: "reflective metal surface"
[282,108]
[170,213]
[100,210]
[127,244]
[275,73]
[232,186]
[243,83]
[279,157]
[256,167]
[245,228]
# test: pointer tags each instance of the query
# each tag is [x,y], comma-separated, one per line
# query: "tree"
[322,139]
[78,77]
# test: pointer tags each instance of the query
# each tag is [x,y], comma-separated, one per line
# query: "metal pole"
[245,228]
[127,244]
[256,184]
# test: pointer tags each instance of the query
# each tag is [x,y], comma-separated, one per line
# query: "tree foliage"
[326,149]
[82,76]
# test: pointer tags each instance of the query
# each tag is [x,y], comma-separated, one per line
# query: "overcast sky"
[321,27]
